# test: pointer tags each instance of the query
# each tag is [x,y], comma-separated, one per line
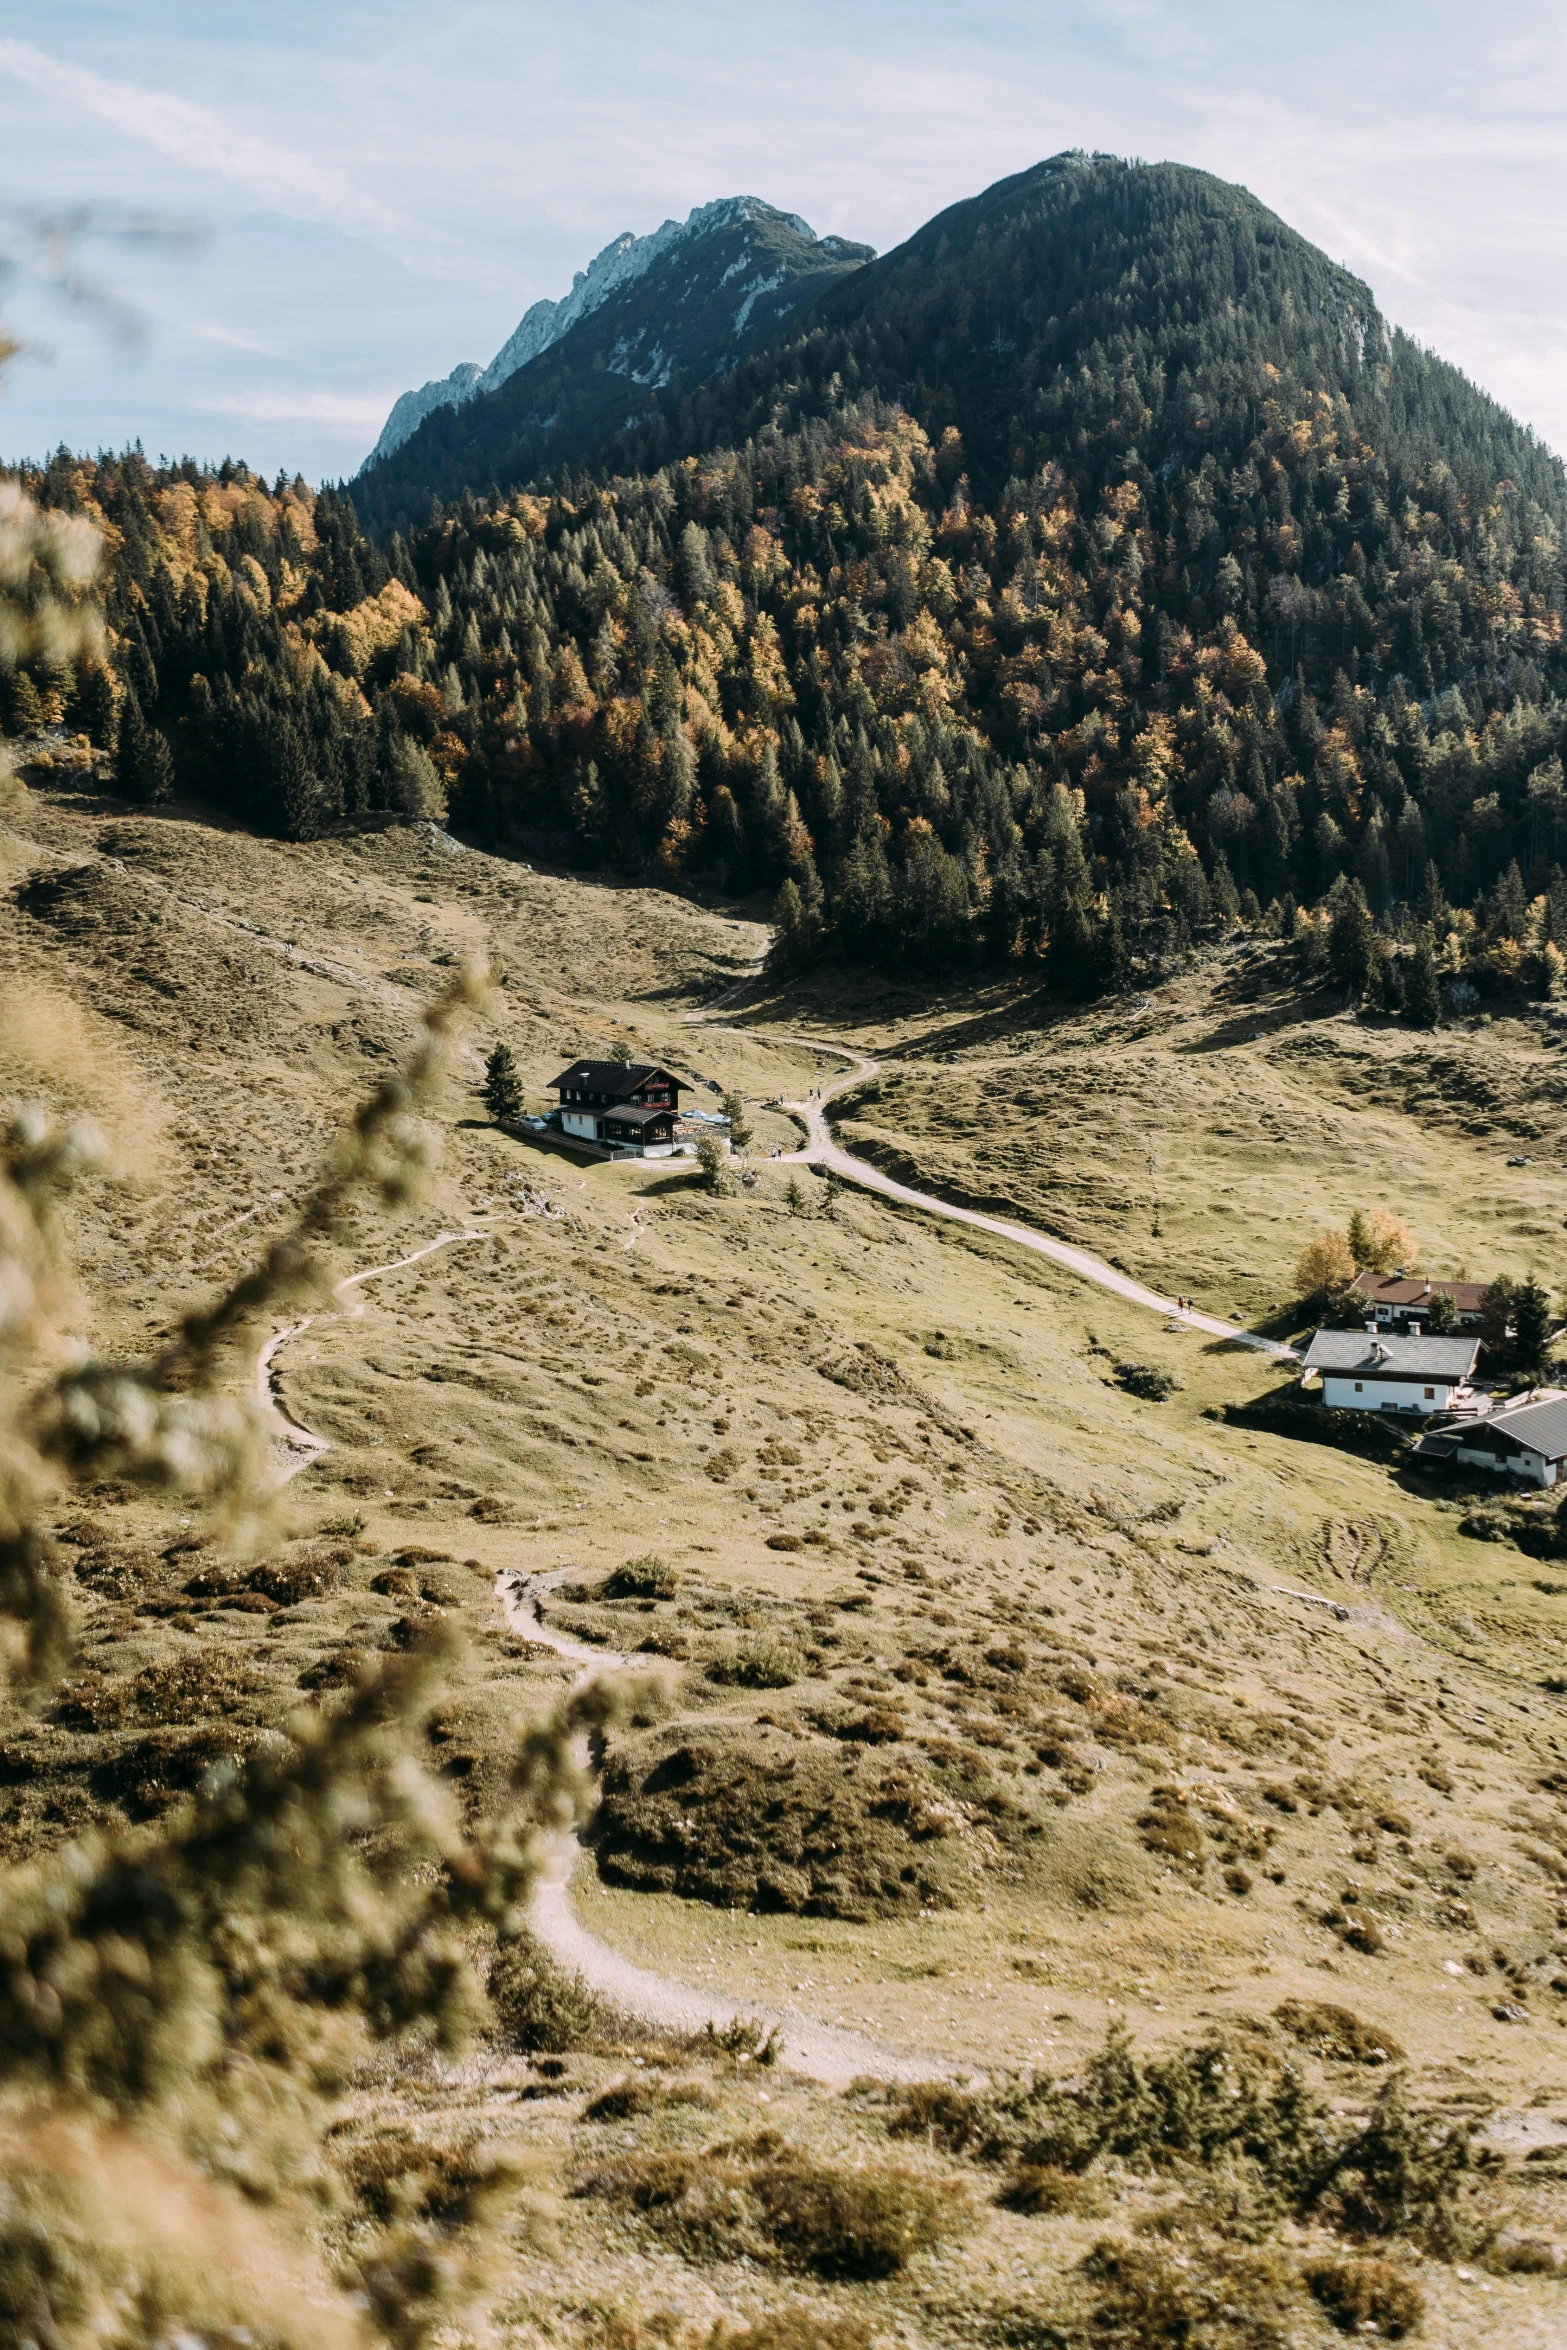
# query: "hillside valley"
[692,1754]
[1055,1661]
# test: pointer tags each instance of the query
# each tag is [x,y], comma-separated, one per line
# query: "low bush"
[1337,2032]
[764,1663]
[1367,2296]
[544,2008]
[793,1825]
[452,2179]
[647,1577]
[1219,2297]
[760,2196]
[1052,2194]
[1147,1381]
[1365,1433]
[1265,2140]
[638,2093]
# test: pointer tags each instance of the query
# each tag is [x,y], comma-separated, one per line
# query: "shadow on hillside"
[1258,1023]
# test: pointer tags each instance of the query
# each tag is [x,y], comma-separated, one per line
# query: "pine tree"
[298,789]
[1358,1235]
[1531,1323]
[143,763]
[1350,940]
[739,1117]
[1422,995]
[503,1096]
[795,1199]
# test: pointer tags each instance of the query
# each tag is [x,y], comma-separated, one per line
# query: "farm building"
[1402,1301]
[1526,1439]
[628,1107]
[1365,1371]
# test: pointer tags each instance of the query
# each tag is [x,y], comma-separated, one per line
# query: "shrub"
[544,2007]
[451,2179]
[1403,2174]
[1147,1381]
[638,2093]
[1052,2194]
[765,1663]
[733,1820]
[1367,2296]
[761,2195]
[1226,2298]
[647,1577]
[936,2110]
[1337,2032]
[864,2221]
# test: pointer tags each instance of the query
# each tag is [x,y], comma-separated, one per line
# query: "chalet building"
[1403,1301]
[627,1107]
[1363,1371]
[1526,1439]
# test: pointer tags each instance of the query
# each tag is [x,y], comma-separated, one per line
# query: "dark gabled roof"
[1413,1289]
[613,1077]
[1540,1426]
[636,1113]
[1391,1357]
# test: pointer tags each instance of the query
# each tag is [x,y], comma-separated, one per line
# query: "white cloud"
[232,338]
[201,140]
[343,416]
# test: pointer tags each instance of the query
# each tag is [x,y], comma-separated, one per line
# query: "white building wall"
[583,1123]
[1531,1467]
[1342,1393]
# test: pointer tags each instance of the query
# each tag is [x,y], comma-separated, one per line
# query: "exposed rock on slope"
[687,299]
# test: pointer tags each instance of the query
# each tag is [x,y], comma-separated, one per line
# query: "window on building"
[1360,1387]
[1430,1392]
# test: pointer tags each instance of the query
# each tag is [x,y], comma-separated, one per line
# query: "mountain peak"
[743,220]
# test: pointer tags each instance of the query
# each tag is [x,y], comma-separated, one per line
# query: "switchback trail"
[301,1444]
[823,2051]
[826,2052]
[822,1151]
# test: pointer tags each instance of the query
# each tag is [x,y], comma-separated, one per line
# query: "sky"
[244,229]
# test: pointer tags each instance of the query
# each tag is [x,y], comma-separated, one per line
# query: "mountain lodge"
[628,1107]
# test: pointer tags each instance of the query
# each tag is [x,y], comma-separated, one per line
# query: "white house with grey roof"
[1525,1439]
[1376,1371]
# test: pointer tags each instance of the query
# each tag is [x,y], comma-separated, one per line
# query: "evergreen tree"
[93,706]
[739,1117]
[1531,1323]
[1498,1305]
[794,1195]
[1350,940]
[1358,1236]
[143,763]
[503,1096]
[1422,995]
[298,789]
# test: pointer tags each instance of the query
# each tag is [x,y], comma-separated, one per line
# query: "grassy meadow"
[1002,1706]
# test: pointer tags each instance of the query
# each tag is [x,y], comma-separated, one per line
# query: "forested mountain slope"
[1095,559]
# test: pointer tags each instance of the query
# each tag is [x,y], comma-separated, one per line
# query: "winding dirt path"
[822,1151]
[301,1445]
[824,2052]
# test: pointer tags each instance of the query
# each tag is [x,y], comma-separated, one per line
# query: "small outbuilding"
[1367,1371]
[1526,1439]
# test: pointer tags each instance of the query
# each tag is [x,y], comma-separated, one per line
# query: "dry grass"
[1030,1602]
